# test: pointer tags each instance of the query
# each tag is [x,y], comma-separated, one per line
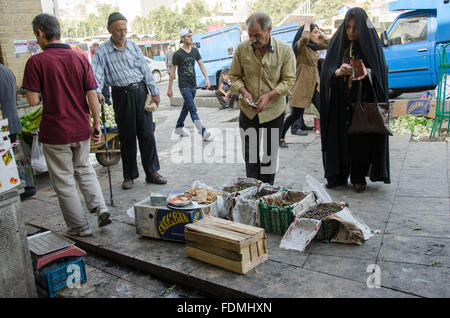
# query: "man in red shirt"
[63,79]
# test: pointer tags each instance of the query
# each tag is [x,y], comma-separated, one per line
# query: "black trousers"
[134,121]
[295,119]
[252,131]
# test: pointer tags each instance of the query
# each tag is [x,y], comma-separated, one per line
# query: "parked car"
[158,68]
[411,44]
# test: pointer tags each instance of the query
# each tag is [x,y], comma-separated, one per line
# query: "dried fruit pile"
[322,210]
[236,188]
[285,201]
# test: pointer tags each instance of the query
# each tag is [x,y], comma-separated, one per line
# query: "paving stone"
[415,250]
[368,250]
[423,183]
[349,268]
[271,279]
[420,280]
[420,217]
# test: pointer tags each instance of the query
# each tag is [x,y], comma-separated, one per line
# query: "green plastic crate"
[327,230]
[275,219]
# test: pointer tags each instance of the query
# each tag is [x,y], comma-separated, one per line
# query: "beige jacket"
[260,75]
[307,75]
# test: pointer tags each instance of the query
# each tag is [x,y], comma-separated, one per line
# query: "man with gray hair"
[263,72]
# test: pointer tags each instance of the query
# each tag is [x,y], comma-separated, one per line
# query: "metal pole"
[107,153]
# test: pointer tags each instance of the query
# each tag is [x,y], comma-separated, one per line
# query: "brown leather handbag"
[369,117]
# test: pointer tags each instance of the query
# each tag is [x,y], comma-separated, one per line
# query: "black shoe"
[103,219]
[359,188]
[156,178]
[283,144]
[305,127]
[300,132]
[332,185]
[127,184]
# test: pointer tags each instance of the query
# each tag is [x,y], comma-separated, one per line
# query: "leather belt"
[130,87]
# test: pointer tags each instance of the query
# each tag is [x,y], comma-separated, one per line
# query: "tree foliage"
[166,23]
[276,9]
[95,24]
[325,9]
[163,22]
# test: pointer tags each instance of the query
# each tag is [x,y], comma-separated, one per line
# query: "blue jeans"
[188,107]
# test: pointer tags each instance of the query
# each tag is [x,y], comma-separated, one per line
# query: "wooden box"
[230,245]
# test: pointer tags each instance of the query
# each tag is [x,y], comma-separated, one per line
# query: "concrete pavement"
[410,218]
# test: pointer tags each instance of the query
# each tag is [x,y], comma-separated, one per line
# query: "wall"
[15,24]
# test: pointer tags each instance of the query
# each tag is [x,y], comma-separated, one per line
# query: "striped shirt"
[114,67]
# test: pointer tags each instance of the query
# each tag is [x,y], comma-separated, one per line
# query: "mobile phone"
[358,68]
[347,60]
[96,132]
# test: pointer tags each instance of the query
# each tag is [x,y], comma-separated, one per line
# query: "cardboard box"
[230,245]
[417,107]
[165,223]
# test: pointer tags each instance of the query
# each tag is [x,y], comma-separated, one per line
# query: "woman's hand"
[345,69]
[364,75]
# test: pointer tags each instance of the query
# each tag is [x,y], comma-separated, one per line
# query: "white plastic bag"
[312,185]
[38,163]
[300,234]
[230,192]
[246,208]
[218,210]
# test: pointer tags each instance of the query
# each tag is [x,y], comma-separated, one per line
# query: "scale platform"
[47,247]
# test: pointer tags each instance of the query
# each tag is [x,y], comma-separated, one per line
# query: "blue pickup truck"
[217,49]
[411,44]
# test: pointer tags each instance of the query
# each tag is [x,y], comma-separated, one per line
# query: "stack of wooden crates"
[233,246]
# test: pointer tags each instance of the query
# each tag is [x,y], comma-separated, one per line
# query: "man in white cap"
[185,59]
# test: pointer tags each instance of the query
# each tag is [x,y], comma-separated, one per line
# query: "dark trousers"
[299,123]
[133,121]
[357,173]
[222,101]
[263,169]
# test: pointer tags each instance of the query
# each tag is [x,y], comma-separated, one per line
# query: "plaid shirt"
[114,67]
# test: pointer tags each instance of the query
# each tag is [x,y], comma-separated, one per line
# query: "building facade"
[15,25]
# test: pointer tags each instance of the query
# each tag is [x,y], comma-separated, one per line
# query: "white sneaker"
[206,135]
[181,132]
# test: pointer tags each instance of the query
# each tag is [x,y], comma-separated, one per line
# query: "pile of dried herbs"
[285,200]
[322,210]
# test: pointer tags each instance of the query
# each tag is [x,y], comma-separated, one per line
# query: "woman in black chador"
[347,155]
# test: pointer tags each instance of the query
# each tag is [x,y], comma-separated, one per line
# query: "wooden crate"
[230,245]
